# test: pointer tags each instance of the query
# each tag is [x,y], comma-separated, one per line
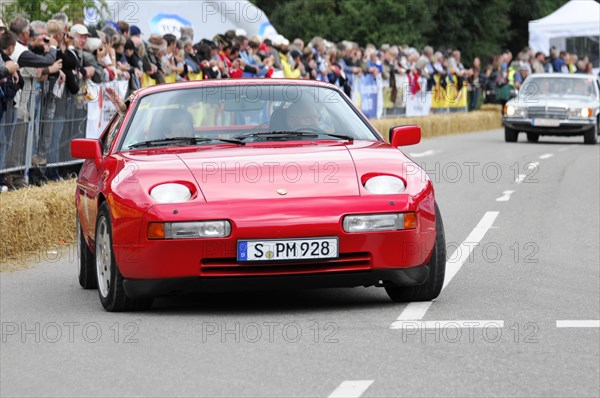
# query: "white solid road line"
[351,388]
[422,154]
[416,310]
[520,178]
[422,325]
[578,324]
[463,251]
[505,196]
[546,156]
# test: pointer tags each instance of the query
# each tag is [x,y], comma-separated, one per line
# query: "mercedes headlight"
[383,185]
[514,111]
[581,113]
[171,193]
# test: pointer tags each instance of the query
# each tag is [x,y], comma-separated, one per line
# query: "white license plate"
[287,249]
[545,122]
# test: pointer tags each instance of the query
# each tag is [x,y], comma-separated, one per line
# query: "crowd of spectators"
[68,53]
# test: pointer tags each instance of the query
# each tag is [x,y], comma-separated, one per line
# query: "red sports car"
[246,184]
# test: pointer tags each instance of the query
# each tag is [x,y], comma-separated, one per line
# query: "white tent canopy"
[575,19]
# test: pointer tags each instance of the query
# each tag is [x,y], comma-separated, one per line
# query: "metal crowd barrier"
[440,99]
[38,135]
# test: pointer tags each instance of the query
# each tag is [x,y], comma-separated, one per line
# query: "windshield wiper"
[293,134]
[182,141]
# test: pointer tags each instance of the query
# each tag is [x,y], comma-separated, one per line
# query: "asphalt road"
[518,316]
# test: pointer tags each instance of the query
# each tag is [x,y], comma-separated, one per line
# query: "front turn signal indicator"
[410,220]
[156,230]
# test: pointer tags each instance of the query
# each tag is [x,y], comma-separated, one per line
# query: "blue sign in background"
[368,96]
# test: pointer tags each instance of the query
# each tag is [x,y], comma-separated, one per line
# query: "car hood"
[260,172]
[284,170]
[553,101]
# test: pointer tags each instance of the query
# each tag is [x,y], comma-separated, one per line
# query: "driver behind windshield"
[303,114]
[181,124]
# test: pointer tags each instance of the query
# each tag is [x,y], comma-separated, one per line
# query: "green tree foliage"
[523,13]
[42,10]
[477,27]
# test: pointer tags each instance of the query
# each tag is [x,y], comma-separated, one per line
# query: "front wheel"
[437,270]
[510,135]
[591,136]
[533,137]
[87,266]
[110,281]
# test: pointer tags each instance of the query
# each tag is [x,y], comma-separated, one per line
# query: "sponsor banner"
[370,96]
[418,104]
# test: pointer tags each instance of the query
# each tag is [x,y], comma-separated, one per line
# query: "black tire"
[510,135]
[590,137]
[437,270]
[115,300]
[87,263]
[533,137]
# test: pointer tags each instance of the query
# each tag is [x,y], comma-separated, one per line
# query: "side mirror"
[405,135]
[84,148]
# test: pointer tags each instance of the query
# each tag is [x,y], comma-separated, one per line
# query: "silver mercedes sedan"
[555,104]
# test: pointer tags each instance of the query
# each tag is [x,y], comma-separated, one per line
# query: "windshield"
[246,113]
[559,87]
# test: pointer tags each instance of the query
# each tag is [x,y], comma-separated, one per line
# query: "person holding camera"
[17,47]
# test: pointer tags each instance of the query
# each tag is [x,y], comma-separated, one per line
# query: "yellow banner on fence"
[147,81]
[450,97]
[172,78]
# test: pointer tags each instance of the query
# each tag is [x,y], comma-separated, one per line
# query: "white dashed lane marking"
[578,324]
[408,326]
[422,154]
[566,147]
[351,388]
[505,196]
[546,156]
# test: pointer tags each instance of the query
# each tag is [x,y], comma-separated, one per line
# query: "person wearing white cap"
[87,66]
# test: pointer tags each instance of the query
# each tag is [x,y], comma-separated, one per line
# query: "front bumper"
[279,219]
[565,127]
[173,286]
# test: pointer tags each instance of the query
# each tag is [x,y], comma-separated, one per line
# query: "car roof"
[231,82]
[563,75]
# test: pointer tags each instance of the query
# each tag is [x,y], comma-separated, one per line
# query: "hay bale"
[35,218]
[492,107]
[444,124]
